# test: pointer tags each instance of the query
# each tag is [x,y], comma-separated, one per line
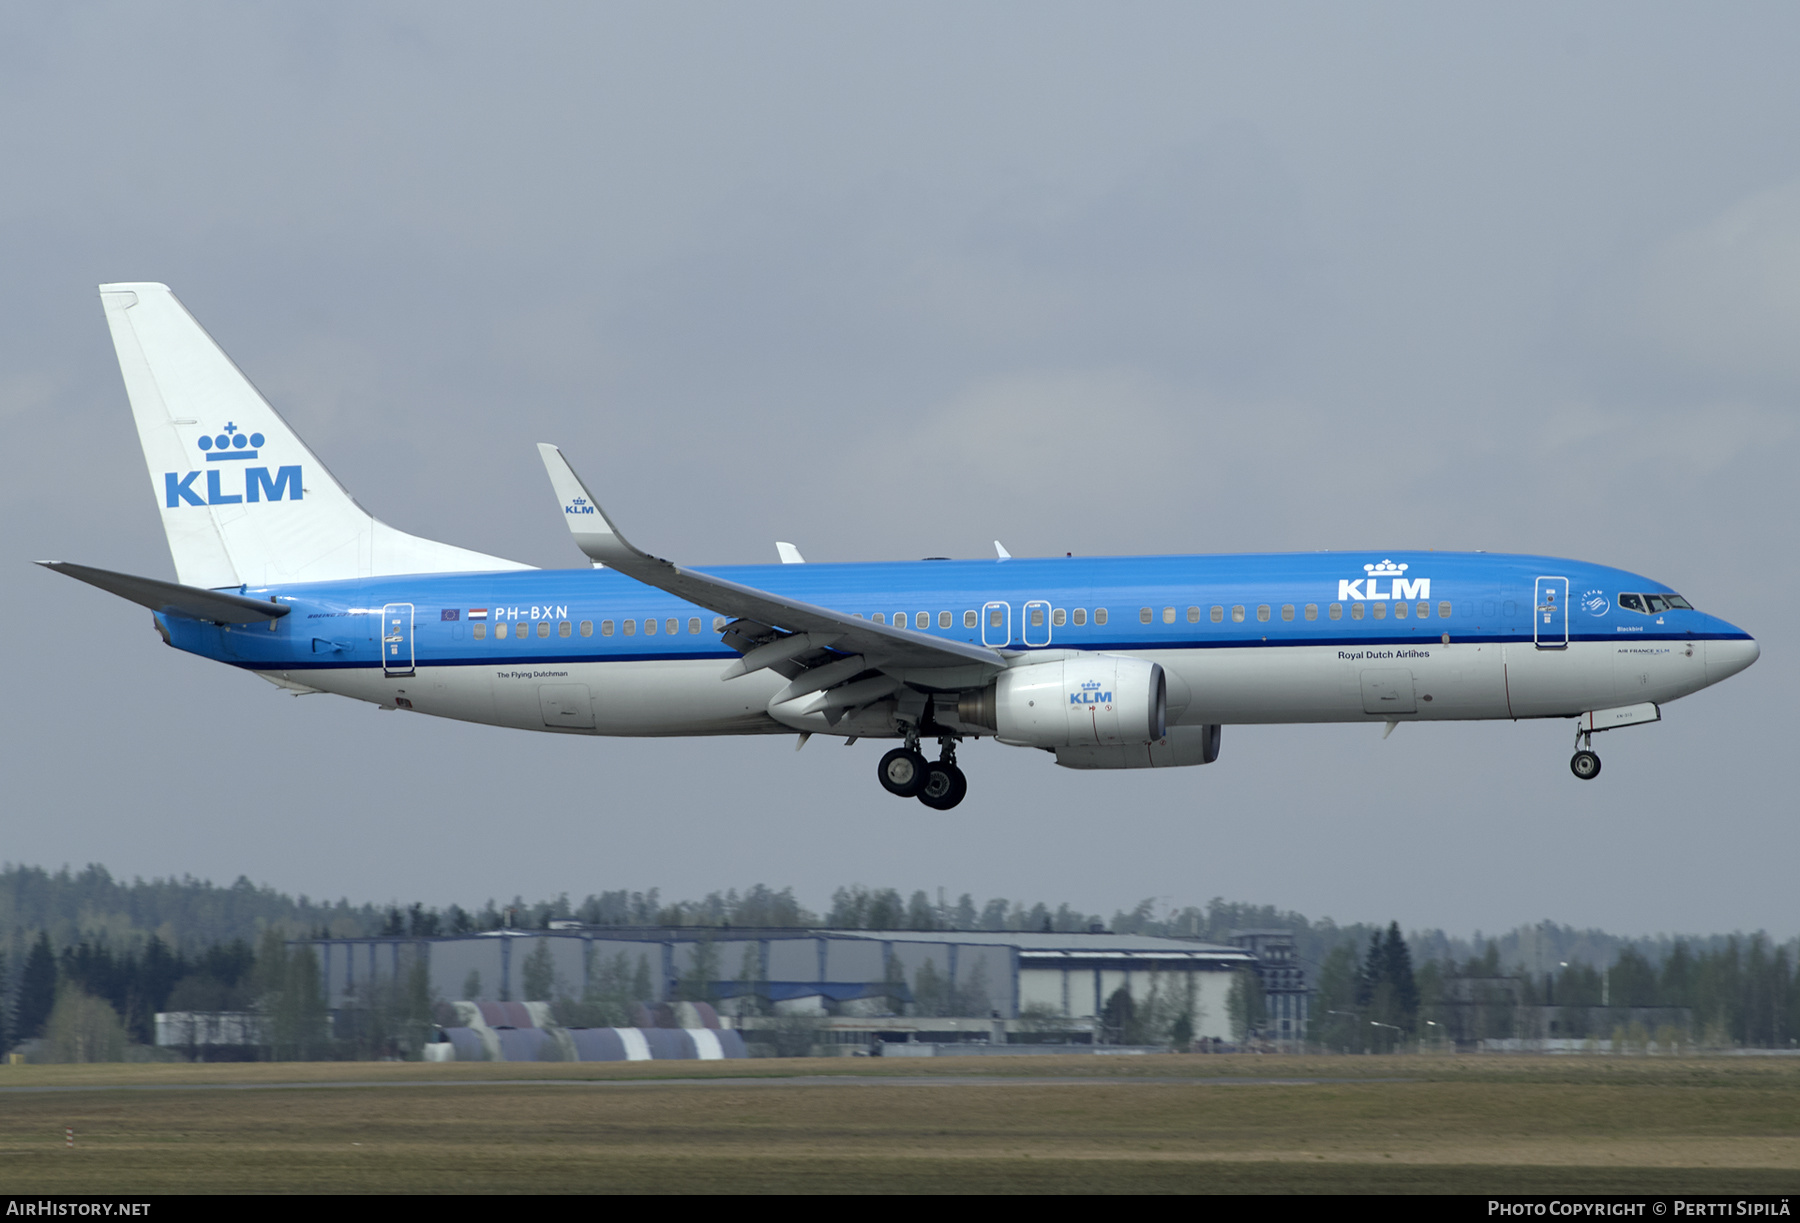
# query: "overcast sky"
[893,282]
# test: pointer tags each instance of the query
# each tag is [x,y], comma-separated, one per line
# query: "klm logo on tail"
[231,445]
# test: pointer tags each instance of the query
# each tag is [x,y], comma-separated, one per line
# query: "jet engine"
[1088,700]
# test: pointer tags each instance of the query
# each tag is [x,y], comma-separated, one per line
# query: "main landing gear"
[906,773]
[1584,764]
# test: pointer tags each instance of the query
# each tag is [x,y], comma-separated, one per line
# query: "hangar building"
[904,975]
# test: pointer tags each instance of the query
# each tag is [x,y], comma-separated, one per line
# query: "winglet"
[1000,549]
[593,531]
[789,554]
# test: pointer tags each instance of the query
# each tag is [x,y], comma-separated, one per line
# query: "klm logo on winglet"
[231,445]
[1090,694]
[1402,588]
[581,505]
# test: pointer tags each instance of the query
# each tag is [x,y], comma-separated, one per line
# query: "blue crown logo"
[1091,686]
[230,443]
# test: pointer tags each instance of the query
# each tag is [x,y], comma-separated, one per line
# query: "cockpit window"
[1652,605]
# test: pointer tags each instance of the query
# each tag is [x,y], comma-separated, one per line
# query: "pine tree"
[37,989]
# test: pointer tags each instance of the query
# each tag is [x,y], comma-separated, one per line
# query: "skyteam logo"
[231,445]
[1595,603]
[1369,588]
[1091,694]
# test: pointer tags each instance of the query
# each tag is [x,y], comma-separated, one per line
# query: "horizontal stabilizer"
[190,601]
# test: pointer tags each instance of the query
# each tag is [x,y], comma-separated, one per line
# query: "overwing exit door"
[397,639]
[996,624]
[1550,621]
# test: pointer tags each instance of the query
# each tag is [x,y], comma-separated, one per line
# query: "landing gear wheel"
[945,786]
[902,772]
[1585,765]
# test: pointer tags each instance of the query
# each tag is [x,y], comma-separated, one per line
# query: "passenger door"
[397,639]
[1550,620]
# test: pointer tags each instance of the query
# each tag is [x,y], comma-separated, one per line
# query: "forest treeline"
[186,944]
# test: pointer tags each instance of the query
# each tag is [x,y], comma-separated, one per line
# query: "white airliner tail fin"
[243,500]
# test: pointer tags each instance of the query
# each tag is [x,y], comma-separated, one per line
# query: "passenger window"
[1193,615]
[1099,615]
[649,626]
[1312,611]
[1145,615]
[878,618]
[1080,616]
[1380,610]
[1037,616]
[1399,611]
[899,619]
[1218,614]
[587,628]
[480,632]
[1336,611]
[1168,615]
[1356,611]
[1287,611]
[1262,612]
[1444,610]
[543,628]
[606,628]
[631,628]
[922,620]
[1058,618]
[1424,611]
[719,622]
[693,624]
[996,617]
[1237,614]
[564,629]
[500,631]
[858,615]
[672,627]
[970,619]
[944,619]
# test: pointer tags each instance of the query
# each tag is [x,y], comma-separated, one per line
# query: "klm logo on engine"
[231,445]
[1369,588]
[1090,694]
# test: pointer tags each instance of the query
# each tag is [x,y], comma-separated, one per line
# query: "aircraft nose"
[1726,658]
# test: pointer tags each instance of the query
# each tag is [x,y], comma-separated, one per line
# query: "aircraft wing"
[815,647]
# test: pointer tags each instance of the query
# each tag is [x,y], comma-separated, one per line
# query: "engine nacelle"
[1090,700]
[1184,746]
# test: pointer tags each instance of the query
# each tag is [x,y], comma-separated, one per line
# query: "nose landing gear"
[1584,763]
[905,773]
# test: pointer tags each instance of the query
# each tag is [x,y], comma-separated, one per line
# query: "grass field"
[1060,1124]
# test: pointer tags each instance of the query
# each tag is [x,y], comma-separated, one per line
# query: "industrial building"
[874,985]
